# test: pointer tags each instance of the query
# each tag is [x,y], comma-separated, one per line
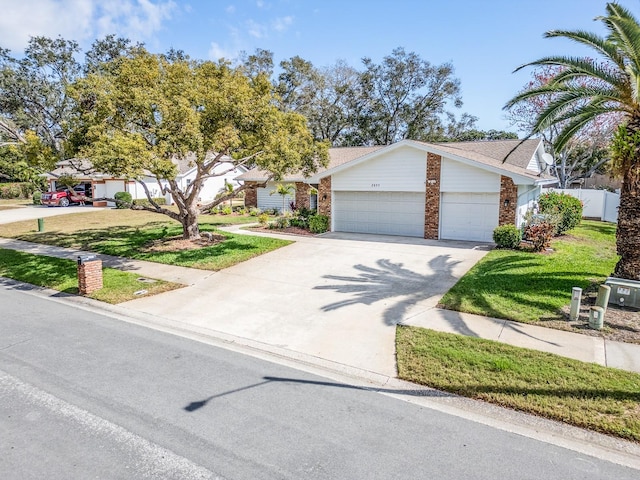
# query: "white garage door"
[386,213]
[469,216]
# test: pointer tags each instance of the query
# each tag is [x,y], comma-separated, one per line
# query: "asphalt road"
[86,396]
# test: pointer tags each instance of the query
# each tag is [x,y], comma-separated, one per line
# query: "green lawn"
[127,233]
[528,287]
[582,394]
[61,274]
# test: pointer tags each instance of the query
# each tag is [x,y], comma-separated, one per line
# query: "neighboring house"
[105,186]
[456,191]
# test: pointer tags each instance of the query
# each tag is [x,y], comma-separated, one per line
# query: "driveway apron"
[337,297]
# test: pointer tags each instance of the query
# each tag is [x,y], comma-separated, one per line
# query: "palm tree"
[229,189]
[585,90]
[284,191]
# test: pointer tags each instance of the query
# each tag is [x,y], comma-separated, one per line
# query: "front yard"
[134,234]
[533,288]
[581,394]
[536,288]
[61,274]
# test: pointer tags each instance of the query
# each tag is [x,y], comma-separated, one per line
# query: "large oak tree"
[143,112]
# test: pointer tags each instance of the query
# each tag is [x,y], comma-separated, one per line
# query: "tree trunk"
[628,232]
[190,228]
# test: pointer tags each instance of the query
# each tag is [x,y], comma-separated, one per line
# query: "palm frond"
[580,67]
[569,131]
[588,70]
[532,93]
[625,34]
[573,102]
[601,45]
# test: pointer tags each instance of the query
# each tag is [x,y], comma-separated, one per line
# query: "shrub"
[37,197]
[507,236]
[254,212]
[283,221]
[568,209]
[263,218]
[539,234]
[318,223]
[146,202]
[299,222]
[10,190]
[226,210]
[305,213]
[123,199]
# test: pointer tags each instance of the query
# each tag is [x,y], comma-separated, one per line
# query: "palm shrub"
[284,191]
[507,236]
[567,208]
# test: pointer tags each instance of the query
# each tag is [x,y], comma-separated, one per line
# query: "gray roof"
[337,157]
[509,155]
[68,167]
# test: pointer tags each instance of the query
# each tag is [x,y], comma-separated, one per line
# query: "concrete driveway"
[337,297]
[33,212]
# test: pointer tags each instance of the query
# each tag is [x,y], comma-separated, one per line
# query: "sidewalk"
[585,348]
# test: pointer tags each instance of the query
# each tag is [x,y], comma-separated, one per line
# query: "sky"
[485,40]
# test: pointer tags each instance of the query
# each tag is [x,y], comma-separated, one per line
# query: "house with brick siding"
[452,191]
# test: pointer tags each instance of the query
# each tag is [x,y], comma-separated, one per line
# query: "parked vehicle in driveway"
[64,196]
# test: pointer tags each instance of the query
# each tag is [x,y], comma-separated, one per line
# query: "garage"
[468,216]
[385,213]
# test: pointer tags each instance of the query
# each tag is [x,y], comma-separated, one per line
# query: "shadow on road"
[417,392]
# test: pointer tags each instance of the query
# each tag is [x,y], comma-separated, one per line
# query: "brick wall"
[432,201]
[324,197]
[89,276]
[302,195]
[509,195]
[251,195]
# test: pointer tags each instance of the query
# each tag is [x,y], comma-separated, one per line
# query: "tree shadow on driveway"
[404,288]
[392,281]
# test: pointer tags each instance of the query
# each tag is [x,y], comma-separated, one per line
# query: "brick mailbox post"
[89,274]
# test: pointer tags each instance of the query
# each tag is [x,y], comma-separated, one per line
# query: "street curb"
[590,443]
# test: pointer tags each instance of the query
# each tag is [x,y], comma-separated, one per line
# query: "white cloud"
[29,18]
[256,29]
[217,51]
[231,9]
[282,23]
[81,19]
[135,19]
[260,3]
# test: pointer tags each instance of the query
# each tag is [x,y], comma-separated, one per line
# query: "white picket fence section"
[597,203]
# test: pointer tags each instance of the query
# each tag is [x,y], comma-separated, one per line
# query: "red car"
[63,197]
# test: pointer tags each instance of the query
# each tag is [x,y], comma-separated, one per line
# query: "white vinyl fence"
[597,203]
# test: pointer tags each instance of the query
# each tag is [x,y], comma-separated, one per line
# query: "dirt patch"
[177,244]
[620,324]
[288,231]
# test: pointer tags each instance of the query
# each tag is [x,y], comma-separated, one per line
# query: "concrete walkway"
[262,300]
